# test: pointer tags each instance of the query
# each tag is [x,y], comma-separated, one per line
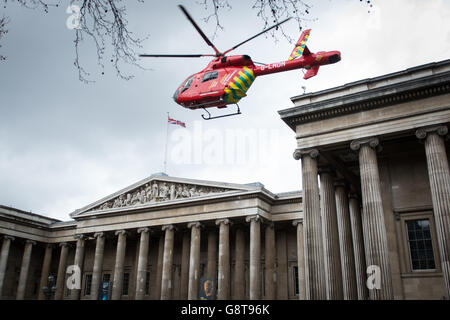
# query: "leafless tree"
[104,23]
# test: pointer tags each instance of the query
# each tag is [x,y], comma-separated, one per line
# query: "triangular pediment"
[161,188]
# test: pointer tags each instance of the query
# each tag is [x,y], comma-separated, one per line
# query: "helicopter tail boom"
[310,62]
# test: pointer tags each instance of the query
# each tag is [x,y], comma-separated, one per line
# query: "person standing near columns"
[141,275]
[239,266]
[78,263]
[26,259]
[119,265]
[194,261]
[312,226]
[346,242]
[98,264]
[269,259]
[358,246]
[255,256]
[166,281]
[224,259]
[332,254]
[300,260]
[60,278]
[4,260]
[377,255]
[439,176]
[45,270]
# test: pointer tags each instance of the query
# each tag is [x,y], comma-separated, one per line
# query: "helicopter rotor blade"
[176,55]
[257,35]
[188,16]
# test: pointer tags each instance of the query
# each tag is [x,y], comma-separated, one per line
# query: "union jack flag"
[173,121]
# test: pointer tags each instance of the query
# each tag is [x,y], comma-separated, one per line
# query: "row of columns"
[339,240]
[331,270]
[190,258]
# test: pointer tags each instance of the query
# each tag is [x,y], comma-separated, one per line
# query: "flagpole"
[167,139]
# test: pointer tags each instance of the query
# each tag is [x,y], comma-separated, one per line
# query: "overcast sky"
[65,144]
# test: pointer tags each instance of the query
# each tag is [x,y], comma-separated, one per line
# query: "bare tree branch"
[3,22]
[217,5]
[270,11]
[104,22]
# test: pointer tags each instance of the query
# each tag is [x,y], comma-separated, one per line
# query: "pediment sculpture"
[158,191]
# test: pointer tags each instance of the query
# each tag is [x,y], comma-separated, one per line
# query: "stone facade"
[386,142]
[158,249]
[372,221]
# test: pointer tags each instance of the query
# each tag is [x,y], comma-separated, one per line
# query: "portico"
[214,226]
[383,142]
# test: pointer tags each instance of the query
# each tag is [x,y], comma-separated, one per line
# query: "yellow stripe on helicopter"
[237,88]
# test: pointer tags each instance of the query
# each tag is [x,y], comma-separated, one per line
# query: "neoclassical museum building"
[372,220]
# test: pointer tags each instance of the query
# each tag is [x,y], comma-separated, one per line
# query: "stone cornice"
[27,217]
[388,94]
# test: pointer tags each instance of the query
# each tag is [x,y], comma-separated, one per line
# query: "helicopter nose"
[334,58]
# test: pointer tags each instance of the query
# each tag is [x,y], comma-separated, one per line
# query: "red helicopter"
[226,79]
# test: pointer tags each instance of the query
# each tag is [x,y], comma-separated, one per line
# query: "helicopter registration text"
[273,66]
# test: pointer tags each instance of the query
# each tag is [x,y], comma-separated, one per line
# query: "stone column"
[45,270]
[255,256]
[358,246]
[194,261]
[119,265]
[377,255]
[224,259]
[78,262]
[185,266]
[269,259]
[159,268]
[300,259]
[166,282]
[211,266]
[61,277]
[439,176]
[346,243]
[332,254]
[239,266]
[98,265]
[141,275]
[26,259]
[4,259]
[312,228]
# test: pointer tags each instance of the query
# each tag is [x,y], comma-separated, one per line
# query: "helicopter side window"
[210,75]
[187,84]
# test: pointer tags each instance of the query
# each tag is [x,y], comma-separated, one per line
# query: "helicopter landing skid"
[222,116]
